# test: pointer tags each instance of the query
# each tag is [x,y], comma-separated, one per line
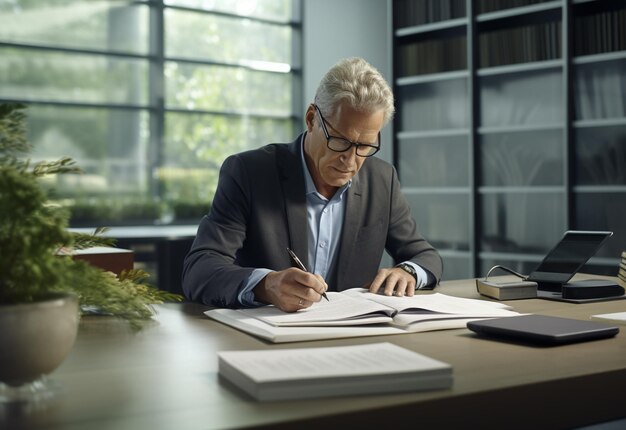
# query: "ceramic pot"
[36,337]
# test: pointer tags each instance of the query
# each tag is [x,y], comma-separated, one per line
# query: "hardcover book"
[107,258]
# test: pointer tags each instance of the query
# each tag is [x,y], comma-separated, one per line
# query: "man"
[322,196]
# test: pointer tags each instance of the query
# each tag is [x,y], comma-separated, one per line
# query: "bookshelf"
[511,126]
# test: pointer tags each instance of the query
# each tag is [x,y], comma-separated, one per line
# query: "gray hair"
[359,84]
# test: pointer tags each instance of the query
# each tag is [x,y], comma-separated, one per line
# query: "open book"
[357,312]
[337,371]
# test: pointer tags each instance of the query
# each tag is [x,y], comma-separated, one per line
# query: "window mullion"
[156,96]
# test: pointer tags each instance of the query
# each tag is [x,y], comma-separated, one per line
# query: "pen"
[301,266]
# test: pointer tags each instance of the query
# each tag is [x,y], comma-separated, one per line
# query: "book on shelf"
[600,32]
[278,374]
[409,13]
[524,44]
[484,6]
[444,54]
[357,312]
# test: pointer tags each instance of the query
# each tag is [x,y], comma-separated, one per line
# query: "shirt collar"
[308,180]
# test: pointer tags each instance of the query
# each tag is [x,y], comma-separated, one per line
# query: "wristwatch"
[419,284]
[408,269]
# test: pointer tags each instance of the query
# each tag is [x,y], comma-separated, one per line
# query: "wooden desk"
[164,377]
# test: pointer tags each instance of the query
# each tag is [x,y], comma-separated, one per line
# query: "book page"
[435,306]
[340,309]
[434,302]
[410,319]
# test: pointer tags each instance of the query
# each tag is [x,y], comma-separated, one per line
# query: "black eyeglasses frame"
[358,145]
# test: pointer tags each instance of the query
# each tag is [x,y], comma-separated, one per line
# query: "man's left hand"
[394,282]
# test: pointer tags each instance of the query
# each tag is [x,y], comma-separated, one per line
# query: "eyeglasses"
[339,144]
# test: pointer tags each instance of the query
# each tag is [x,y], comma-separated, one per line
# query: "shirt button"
[322,244]
[325,211]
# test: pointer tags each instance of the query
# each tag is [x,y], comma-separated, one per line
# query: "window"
[149,97]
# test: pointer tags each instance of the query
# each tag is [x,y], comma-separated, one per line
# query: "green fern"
[84,240]
[32,231]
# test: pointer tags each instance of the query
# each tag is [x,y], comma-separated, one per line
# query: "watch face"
[407,268]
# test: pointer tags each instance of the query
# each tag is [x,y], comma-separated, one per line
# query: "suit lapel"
[292,179]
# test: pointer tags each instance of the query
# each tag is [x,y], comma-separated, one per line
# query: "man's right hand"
[290,289]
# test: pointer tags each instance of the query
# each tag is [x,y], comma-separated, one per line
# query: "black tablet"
[542,329]
[567,257]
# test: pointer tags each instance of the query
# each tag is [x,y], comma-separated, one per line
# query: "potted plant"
[42,292]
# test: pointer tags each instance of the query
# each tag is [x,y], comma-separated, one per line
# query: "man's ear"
[309,118]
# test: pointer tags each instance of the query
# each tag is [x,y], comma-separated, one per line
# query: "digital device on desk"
[542,329]
[564,261]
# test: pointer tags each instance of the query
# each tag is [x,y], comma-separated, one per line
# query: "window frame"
[156,59]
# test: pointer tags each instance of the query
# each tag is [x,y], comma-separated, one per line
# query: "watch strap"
[419,283]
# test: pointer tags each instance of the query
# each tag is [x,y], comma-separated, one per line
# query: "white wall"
[336,29]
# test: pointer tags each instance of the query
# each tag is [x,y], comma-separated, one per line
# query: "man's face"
[330,169]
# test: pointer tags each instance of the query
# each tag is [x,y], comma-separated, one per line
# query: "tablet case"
[542,329]
[567,257]
[591,289]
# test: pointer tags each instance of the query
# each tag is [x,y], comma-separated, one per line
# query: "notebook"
[542,329]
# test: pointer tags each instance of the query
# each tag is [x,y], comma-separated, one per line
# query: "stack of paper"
[333,371]
[613,318]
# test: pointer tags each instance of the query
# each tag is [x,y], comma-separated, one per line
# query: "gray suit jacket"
[259,210]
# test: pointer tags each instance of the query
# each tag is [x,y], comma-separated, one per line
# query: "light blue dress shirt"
[325,222]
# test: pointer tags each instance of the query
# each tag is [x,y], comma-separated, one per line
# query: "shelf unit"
[511,126]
